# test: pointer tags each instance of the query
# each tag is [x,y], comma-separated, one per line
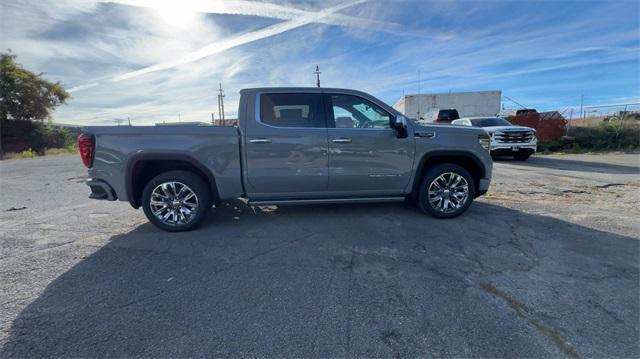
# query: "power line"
[614,105]
[514,101]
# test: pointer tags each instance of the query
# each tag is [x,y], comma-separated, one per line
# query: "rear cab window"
[291,110]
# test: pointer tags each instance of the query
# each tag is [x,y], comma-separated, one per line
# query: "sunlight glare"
[175,13]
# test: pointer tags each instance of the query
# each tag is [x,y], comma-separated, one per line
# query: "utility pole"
[419,93]
[129,119]
[581,102]
[213,120]
[221,104]
[317,72]
[219,111]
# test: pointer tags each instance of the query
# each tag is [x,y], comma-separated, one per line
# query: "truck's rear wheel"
[446,191]
[176,201]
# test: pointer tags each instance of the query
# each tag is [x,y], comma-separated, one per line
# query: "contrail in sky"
[266,9]
[220,46]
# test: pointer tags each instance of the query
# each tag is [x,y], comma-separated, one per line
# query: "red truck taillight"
[86,148]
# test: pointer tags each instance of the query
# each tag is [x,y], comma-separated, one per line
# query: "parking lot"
[547,264]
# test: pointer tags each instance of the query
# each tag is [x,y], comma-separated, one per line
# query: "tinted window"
[448,115]
[526,111]
[355,112]
[291,110]
[488,122]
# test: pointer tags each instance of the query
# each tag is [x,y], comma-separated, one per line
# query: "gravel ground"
[547,264]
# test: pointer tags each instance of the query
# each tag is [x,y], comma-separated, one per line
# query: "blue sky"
[151,59]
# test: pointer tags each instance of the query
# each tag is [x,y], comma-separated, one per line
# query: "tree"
[25,95]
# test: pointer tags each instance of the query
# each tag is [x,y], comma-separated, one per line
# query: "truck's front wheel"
[176,201]
[446,191]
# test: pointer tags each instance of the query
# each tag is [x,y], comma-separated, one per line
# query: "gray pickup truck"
[292,146]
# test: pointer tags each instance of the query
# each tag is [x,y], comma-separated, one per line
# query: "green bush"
[46,136]
[28,154]
[604,136]
[18,135]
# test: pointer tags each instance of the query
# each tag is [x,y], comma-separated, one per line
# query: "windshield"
[488,122]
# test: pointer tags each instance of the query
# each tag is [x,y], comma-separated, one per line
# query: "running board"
[277,202]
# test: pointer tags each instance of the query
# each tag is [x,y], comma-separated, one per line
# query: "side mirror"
[400,125]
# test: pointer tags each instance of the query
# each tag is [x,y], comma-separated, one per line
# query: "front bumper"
[511,148]
[101,190]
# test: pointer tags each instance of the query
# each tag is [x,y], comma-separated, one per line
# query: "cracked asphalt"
[546,265]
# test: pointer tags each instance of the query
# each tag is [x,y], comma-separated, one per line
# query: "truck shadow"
[572,165]
[342,280]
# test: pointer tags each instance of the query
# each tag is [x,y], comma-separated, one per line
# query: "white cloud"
[223,45]
[534,54]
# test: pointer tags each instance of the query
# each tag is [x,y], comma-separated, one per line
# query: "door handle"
[260,140]
[425,134]
[341,140]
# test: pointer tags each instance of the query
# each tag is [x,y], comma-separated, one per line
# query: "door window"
[291,110]
[355,112]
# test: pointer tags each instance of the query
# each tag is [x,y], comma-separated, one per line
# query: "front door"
[365,155]
[286,146]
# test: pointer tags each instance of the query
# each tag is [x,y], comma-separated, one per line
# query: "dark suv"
[448,115]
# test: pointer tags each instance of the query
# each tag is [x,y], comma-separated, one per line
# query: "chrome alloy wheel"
[174,203]
[448,192]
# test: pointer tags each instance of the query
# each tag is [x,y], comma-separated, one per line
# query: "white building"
[476,103]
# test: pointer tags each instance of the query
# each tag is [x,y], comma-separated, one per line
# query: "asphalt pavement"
[546,265]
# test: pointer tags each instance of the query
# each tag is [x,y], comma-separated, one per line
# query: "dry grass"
[33,154]
[60,151]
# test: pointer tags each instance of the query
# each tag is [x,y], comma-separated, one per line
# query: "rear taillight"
[85,147]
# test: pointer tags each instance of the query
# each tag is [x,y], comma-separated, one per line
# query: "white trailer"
[468,104]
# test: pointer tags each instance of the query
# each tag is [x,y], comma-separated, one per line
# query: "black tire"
[196,184]
[423,201]
[521,156]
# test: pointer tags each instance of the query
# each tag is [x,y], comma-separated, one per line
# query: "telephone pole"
[419,92]
[317,72]
[221,104]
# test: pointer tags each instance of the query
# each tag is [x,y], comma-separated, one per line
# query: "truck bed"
[213,148]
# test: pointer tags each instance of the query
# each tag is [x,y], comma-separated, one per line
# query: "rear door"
[365,155]
[286,146]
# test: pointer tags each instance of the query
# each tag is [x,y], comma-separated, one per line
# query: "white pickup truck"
[506,138]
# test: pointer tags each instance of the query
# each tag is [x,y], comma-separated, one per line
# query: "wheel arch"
[462,158]
[143,167]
